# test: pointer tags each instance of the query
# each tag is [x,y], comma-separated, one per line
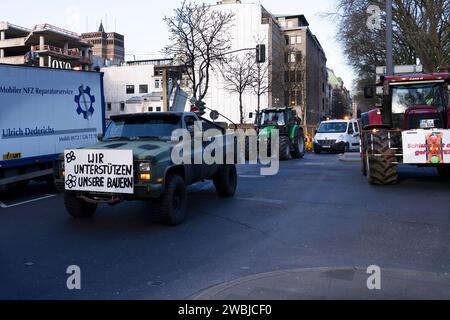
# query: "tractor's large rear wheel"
[381,161]
[298,151]
[285,148]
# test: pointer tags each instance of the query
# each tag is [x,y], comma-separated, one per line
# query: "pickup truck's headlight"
[144,167]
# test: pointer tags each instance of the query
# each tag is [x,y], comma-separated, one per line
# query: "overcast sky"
[145,32]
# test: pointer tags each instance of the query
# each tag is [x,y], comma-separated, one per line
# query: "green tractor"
[286,120]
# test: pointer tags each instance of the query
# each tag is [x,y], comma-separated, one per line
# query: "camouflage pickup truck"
[133,161]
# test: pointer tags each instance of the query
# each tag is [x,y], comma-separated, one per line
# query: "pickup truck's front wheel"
[226,181]
[172,205]
[78,208]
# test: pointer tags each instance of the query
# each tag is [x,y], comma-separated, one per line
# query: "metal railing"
[69,52]
[47,26]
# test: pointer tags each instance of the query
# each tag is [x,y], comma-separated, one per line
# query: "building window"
[299,97]
[293,40]
[292,76]
[150,109]
[130,89]
[158,109]
[143,88]
[292,57]
[158,84]
[108,107]
[122,106]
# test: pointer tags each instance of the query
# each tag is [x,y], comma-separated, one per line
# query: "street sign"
[382,71]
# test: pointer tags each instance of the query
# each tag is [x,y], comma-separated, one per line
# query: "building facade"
[297,74]
[252,25]
[137,87]
[108,45]
[43,46]
[341,101]
[305,72]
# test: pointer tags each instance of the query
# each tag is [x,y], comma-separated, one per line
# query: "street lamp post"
[389,36]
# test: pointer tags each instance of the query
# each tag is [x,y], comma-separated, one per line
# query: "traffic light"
[201,107]
[260,53]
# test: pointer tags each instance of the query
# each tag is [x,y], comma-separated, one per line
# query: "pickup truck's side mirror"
[100,136]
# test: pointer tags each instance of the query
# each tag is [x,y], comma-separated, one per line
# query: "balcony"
[72,53]
[13,60]
[14,42]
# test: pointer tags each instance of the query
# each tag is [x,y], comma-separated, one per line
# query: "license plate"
[326,147]
[427,124]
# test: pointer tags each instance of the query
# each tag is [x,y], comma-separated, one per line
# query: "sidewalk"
[331,284]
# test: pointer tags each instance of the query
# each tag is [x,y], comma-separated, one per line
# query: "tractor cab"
[411,102]
[283,119]
[288,124]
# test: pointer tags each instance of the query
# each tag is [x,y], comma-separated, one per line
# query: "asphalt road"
[317,213]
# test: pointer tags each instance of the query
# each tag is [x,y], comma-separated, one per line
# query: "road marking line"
[4,206]
[269,201]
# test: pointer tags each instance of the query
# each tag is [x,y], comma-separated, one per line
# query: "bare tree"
[294,81]
[421,30]
[238,75]
[261,82]
[198,36]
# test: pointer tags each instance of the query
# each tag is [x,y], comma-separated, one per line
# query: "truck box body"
[42,113]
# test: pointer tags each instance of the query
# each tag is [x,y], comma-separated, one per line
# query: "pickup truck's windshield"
[333,127]
[143,128]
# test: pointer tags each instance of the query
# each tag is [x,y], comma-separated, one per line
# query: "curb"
[410,277]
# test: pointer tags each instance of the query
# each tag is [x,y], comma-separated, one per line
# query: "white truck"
[42,113]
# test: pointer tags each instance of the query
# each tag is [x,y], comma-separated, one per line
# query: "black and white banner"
[109,171]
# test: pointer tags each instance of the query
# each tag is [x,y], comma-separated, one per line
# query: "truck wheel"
[381,170]
[171,207]
[78,208]
[444,171]
[225,181]
[285,148]
[299,145]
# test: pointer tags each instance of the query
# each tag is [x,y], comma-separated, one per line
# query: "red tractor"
[411,127]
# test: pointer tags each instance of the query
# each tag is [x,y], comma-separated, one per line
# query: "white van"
[337,136]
